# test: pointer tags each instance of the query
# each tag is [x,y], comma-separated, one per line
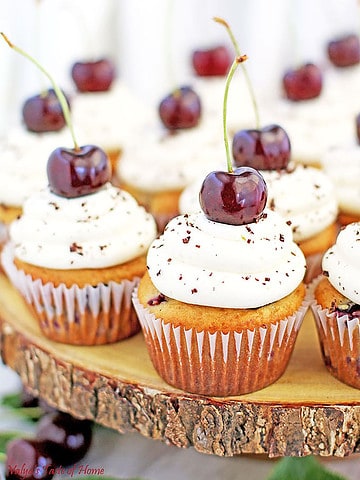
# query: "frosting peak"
[208,263]
[342,262]
[99,230]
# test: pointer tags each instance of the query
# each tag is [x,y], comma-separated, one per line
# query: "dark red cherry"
[344,51]
[303,83]
[211,62]
[43,113]
[180,109]
[68,439]
[28,459]
[96,76]
[73,173]
[265,149]
[357,125]
[234,198]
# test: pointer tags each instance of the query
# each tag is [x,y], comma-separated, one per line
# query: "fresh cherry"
[265,149]
[235,198]
[28,459]
[357,125]
[303,83]
[344,51]
[43,113]
[211,62]
[27,399]
[96,76]
[75,172]
[180,109]
[67,439]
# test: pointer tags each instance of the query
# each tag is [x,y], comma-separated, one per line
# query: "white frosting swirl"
[342,262]
[155,160]
[314,125]
[304,197]
[342,164]
[23,159]
[98,230]
[202,262]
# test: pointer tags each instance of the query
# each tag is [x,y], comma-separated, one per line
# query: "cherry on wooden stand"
[67,439]
[180,109]
[93,76]
[28,459]
[303,83]
[211,62]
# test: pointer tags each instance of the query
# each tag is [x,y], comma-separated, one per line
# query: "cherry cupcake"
[336,306]
[222,300]
[78,250]
[303,196]
[166,154]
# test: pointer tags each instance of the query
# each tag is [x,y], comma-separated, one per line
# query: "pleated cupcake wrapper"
[339,337]
[91,315]
[219,363]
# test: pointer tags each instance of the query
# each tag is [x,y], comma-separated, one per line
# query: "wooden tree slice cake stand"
[306,411]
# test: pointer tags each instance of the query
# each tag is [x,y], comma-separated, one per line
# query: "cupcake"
[342,165]
[305,198]
[78,250]
[336,307]
[160,160]
[223,299]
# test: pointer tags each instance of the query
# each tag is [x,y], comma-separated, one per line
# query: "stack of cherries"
[60,441]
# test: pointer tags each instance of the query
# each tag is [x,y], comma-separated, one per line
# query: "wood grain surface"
[306,411]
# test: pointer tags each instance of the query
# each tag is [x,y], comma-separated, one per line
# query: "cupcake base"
[88,315]
[339,337]
[221,363]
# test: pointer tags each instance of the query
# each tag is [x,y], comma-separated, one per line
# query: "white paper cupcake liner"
[90,315]
[219,363]
[339,337]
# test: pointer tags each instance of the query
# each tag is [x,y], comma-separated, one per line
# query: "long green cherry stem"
[238,60]
[246,75]
[61,97]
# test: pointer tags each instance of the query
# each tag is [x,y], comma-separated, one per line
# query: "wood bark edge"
[223,428]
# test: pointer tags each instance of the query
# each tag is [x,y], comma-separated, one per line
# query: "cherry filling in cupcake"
[349,308]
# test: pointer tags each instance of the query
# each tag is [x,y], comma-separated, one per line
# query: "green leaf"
[13,402]
[302,468]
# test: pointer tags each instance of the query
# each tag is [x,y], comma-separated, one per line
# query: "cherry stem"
[246,75]
[238,60]
[58,92]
